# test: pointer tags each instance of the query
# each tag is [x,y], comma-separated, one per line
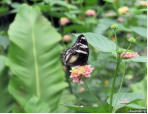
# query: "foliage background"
[26,57]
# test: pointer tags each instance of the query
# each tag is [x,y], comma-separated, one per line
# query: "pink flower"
[90,12]
[64,21]
[75,79]
[79,72]
[67,38]
[143,3]
[128,14]
[120,19]
[128,55]
[128,35]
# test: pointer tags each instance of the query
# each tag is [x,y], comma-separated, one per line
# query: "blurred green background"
[20,78]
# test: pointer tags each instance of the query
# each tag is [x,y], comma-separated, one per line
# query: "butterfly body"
[77,54]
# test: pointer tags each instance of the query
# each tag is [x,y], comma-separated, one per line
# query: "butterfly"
[77,54]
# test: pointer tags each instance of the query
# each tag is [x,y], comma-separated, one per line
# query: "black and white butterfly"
[77,54]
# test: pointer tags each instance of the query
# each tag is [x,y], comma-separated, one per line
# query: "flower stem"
[114,80]
[90,91]
[129,46]
[81,4]
[116,40]
[114,109]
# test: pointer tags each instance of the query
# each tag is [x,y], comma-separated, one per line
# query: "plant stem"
[114,109]
[116,40]
[114,80]
[129,46]
[89,90]
[52,21]
[81,4]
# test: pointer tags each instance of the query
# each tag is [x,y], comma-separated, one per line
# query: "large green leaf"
[34,59]
[36,105]
[5,98]
[100,42]
[101,28]
[125,99]
[140,31]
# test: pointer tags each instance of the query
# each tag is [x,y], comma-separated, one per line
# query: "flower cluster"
[78,72]
[123,10]
[64,21]
[128,55]
[143,3]
[90,12]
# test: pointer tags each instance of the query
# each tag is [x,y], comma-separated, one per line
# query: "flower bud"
[119,51]
[90,12]
[64,21]
[120,19]
[114,26]
[132,40]
[67,38]
[123,10]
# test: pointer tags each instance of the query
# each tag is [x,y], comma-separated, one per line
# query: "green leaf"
[5,98]
[140,31]
[125,99]
[34,60]
[109,22]
[141,87]
[67,97]
[135,106]
[138,59]
[60,3]
[101,28]
[3,10]
[2,63]
[100,42]
[36,105]
[4,41]
[89,109]
[142,20]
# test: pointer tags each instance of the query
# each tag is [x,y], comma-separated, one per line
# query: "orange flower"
[113,38]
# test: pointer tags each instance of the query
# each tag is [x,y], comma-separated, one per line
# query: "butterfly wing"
[78,53]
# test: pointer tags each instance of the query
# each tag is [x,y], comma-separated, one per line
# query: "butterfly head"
[81,39]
